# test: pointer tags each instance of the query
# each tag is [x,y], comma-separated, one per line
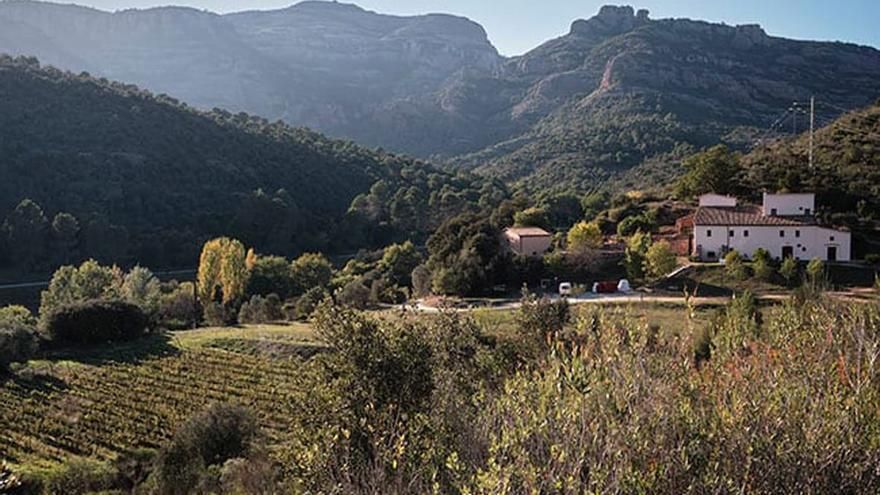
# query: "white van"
[565,289]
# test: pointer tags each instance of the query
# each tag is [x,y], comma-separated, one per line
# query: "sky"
[516,26]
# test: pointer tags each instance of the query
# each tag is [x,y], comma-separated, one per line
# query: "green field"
[105,401]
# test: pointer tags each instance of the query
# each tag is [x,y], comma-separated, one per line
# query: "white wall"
[789,204]
[812,243]
[717,200]
[533,246]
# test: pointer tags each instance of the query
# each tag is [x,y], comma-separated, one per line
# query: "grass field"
[101,402]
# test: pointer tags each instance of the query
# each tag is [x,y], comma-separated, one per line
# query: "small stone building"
[528,241]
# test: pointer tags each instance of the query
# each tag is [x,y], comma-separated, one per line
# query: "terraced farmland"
[103,403]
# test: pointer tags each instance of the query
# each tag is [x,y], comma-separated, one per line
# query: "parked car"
[605,287]
[565,289]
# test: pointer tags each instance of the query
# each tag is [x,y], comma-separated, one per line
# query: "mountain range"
[618,90]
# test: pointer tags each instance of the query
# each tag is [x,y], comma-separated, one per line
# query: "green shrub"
[179,306]
[306,304]
[208,439]
[261,310]
[354,295]
[816,275]
[660,260]
[18,343]
[873,259]
[78,476]
[96,321]
[17,314]
[220,315]
[734,266]
[762,265]
[539,319]
[788,270]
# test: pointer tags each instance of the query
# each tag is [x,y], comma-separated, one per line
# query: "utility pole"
[812,126]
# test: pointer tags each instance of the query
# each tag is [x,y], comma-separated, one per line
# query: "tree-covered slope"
[148,179]
[846,170]
[621,89]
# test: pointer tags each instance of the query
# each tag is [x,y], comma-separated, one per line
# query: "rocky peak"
[611,20]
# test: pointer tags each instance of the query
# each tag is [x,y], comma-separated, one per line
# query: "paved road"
[632,297]
[33,285]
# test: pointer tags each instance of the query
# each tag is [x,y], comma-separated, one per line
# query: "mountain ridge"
[618,90]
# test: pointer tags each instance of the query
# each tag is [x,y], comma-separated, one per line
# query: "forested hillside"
[117,173]
[846,171]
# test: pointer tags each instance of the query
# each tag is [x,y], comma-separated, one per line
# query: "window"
[797,233]
[773,211]
[781,233]
[731,233]
[832,238]
[808,212]
[709,233]
[745,233]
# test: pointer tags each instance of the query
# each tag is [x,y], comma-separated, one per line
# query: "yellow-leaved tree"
[583,236]
[223,271]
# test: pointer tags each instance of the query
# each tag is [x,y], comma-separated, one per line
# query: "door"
[787,252]
[832,253]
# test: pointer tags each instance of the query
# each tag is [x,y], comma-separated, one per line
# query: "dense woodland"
[105,170]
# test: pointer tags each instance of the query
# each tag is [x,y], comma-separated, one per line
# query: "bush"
[261,310]
[141,287]
[270,275]
[79,476]
[179,306]
[762,265]
[788,270]
[97,321]
[816,272]
[354,295]
[212,437]
[421,281]
[539,319]
[734,266]
[307,303]
[873,259]
[18,315]
[220,315]
[659,260]
[18,343]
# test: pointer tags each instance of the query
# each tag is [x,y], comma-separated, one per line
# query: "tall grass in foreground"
[788,406]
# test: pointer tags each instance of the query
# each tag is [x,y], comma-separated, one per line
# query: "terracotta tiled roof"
[748,215]
[528,232]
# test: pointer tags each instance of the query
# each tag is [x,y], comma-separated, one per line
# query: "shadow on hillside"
[29,379]
[152,346]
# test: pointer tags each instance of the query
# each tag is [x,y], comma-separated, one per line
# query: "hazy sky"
[516,26]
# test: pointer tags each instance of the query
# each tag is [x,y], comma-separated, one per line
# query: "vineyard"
[107,402]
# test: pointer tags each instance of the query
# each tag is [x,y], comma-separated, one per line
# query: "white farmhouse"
[785,225]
